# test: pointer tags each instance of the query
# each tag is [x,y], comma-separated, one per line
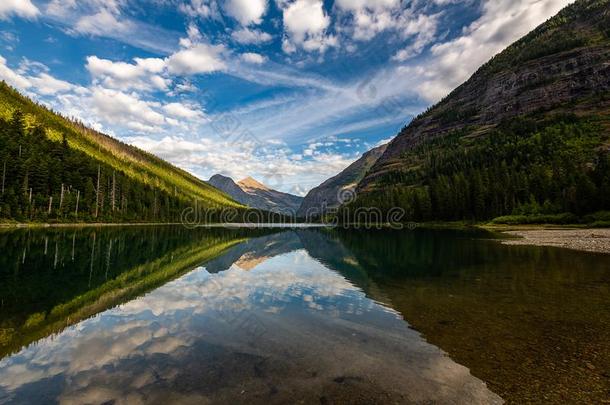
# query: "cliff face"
[256,195]
[329,193]
[561,67]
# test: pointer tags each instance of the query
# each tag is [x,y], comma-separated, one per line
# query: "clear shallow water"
[146,315]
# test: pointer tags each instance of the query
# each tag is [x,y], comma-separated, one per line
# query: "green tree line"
[524,167]
[42,180]
[46,180]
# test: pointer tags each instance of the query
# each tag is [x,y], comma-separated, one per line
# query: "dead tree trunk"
[113,189]
[97,191]
[77,199]
[3,176]
[61,198]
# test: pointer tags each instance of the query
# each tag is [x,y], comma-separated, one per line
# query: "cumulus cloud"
[126,109]
[180,110]
[48,85]
[248,36]
[11,77]
[199,8]
[254,58]
[306,23]
[34,77]
[142,75]
[246,11]
[201,58]
[422,32]
[370,17]
[21,8]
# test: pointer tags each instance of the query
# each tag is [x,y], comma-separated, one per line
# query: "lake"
[314,316]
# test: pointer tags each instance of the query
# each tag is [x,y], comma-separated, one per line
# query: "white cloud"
[362,20]
[254,58]
[21,8]
[199,8]
[13,78]
[48,85]
[143,75]
[201,58]
[246,11]
[60,8]
[33,77]
[422,30]
[359,5]
[501,23]
[305,23]
[105,18]
[180,110]
[102,23]
[126,109]
[251,36]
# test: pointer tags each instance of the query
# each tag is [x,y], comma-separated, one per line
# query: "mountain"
[255,251]
[527,134]
[58,169]
[333,192]
[229,187]
[256,195]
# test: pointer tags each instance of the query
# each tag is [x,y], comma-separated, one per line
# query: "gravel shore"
[588,240]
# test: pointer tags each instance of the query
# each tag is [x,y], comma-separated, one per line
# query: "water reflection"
[273,318]
[168,314]
[52,278]
[534,323]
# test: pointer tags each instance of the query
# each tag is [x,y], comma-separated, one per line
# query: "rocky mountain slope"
[336,190]
[529,128]
[256,195]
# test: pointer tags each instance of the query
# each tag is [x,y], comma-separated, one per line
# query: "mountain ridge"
[556,78]
[254,194]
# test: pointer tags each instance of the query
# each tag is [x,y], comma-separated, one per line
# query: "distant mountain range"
[254,194]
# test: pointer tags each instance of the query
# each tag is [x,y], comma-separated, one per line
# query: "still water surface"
[166,314]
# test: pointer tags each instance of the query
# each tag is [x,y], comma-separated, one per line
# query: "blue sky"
[287,91]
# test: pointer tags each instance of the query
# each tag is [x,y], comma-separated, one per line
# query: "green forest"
[555,170]
[43,180]
[56,169]
[46,180]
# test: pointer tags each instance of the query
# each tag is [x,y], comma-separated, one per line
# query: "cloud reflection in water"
[287,328]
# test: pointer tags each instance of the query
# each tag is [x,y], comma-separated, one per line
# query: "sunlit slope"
[135,163]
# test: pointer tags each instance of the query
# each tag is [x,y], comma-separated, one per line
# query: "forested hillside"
[526,135]
[524,167]
[54,169]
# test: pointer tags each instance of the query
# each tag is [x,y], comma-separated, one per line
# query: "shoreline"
[574,237]
[592,240]
[8,225]
[20,225]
